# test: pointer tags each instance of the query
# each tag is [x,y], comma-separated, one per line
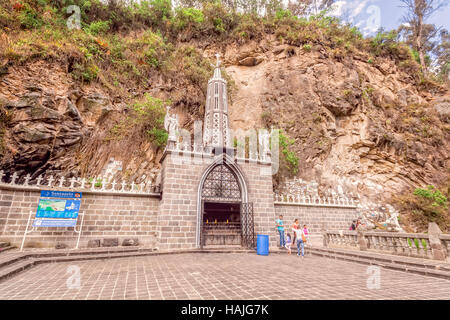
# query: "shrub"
[307,47]
[161,9]
[189,61]
[6,18]
[356,33]
[387,44]
[150,113]
[266,118]
[289,156]
[86,72]
[433,195]
[248,27]
[29,18]
[425,205]
[98,27]
[153,13]
[158,136]
[218,19]
[283,14]
[151,48]
[188,18]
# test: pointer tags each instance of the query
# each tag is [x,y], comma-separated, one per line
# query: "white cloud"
[337,7]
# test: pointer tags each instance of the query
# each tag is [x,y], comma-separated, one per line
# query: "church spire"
[216,131]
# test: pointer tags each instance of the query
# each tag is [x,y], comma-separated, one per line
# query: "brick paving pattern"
[219,276]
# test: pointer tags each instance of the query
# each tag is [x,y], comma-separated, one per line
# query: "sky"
[369,15]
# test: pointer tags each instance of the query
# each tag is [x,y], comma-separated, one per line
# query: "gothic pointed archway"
[222,191]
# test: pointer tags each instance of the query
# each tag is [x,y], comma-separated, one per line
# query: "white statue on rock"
[264,144]
[171,125]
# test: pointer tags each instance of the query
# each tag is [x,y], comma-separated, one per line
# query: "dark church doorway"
[221,224]
[225,219]
[221,206]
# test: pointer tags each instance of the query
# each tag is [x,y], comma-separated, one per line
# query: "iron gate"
[247,225]
[202,237]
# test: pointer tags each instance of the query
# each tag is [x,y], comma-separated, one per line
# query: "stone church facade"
[210,194]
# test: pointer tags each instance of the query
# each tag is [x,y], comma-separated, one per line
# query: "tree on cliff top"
[419,34]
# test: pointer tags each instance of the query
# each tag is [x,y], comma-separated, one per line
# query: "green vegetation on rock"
[289,157]
[424,205]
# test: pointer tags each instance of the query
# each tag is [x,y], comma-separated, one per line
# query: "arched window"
[221,185]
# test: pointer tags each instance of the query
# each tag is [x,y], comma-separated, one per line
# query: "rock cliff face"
[358,121]
[364,125]
[45,125]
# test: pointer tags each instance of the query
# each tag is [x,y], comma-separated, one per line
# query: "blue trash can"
[262,244]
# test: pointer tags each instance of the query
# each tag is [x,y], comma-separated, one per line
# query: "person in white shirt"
[301,239]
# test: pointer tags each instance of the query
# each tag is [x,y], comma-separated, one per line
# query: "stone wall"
[260,192]
[178,215]
[317,217]
[177,218]
[169,221]
[106,216]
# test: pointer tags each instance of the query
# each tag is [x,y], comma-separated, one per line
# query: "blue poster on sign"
[57,209]
[43,222]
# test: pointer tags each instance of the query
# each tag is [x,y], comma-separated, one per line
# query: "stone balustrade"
[341,238]
[89,185]
[186,149]
[407,244]
[445,240]
[315,200]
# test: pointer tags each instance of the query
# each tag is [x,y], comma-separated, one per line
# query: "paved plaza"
[218,276]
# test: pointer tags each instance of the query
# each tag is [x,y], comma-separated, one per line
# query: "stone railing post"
[325,238]
[362,241]
[438,251]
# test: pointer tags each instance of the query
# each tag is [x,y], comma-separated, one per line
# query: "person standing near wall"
[301,239]
[295,226]
[280,228]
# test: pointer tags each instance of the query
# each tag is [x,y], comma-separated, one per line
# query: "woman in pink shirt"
[306,232]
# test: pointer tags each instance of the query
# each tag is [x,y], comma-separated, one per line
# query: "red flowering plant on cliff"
[18,6]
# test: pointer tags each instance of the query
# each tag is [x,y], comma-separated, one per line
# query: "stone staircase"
[5,246]
[406,264]
[14,262]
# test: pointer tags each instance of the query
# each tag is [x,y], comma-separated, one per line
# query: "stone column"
[325,237]
[435,243]
[362,242]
